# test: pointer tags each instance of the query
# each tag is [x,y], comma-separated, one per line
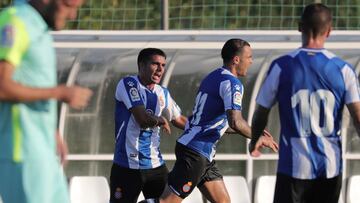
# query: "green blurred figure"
[29,168]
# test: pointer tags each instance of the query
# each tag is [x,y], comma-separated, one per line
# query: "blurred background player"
[140,102]
[29,169]
[311,85]
[217,107]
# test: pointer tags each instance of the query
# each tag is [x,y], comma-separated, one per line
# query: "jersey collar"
[226,71]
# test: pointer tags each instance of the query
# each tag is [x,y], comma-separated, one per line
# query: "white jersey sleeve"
[351,85]
[268,91]
[127,91]
[171,110]
[231,91]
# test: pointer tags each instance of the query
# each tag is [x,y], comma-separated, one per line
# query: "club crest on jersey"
[187,187]
[7,36]
[237,87]
[237,98]
[118,193]
[150,112]
[134,94]
[131,84]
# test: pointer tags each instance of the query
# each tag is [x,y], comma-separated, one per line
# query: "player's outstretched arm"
[260,137]
[354,109]
[75,96]
[10,90]
[13,91]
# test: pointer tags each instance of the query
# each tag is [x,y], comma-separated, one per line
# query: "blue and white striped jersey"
[311,86]
[218,92]
[138,148]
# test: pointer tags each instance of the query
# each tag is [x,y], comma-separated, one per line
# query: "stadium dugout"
[98,59]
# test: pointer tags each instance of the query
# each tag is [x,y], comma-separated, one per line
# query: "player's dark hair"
[315,20]
[146,54]
[231,48]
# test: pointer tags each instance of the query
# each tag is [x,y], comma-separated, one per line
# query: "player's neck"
[313,43]
[147,83]
[150,86]
[230,68]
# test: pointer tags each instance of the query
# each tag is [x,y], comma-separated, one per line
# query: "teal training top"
[27,130]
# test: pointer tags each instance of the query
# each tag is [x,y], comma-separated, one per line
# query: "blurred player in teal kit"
[312,86]
[29,168]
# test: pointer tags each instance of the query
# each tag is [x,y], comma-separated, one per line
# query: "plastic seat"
[89,189]
[264,189]
[353,185]
[341,200]
[237,188]
[141,197]
[194,197]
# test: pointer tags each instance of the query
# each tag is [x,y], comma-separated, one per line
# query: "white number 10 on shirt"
[309,106]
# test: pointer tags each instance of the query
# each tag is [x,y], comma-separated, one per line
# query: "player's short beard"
[49,14]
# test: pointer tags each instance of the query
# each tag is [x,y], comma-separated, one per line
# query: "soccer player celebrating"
[140,102]
[217,107]
[29,169]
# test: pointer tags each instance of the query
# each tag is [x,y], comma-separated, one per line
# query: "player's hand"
[267,134]
[264,141]
[61,148]
[166,127]
[77,97]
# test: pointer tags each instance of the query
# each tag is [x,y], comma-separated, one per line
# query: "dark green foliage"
[206,14]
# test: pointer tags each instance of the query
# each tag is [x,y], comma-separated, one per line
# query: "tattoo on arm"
[238,124]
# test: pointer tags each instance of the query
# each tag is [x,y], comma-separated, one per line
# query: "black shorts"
[292,190]
[191,169]
[126,184]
